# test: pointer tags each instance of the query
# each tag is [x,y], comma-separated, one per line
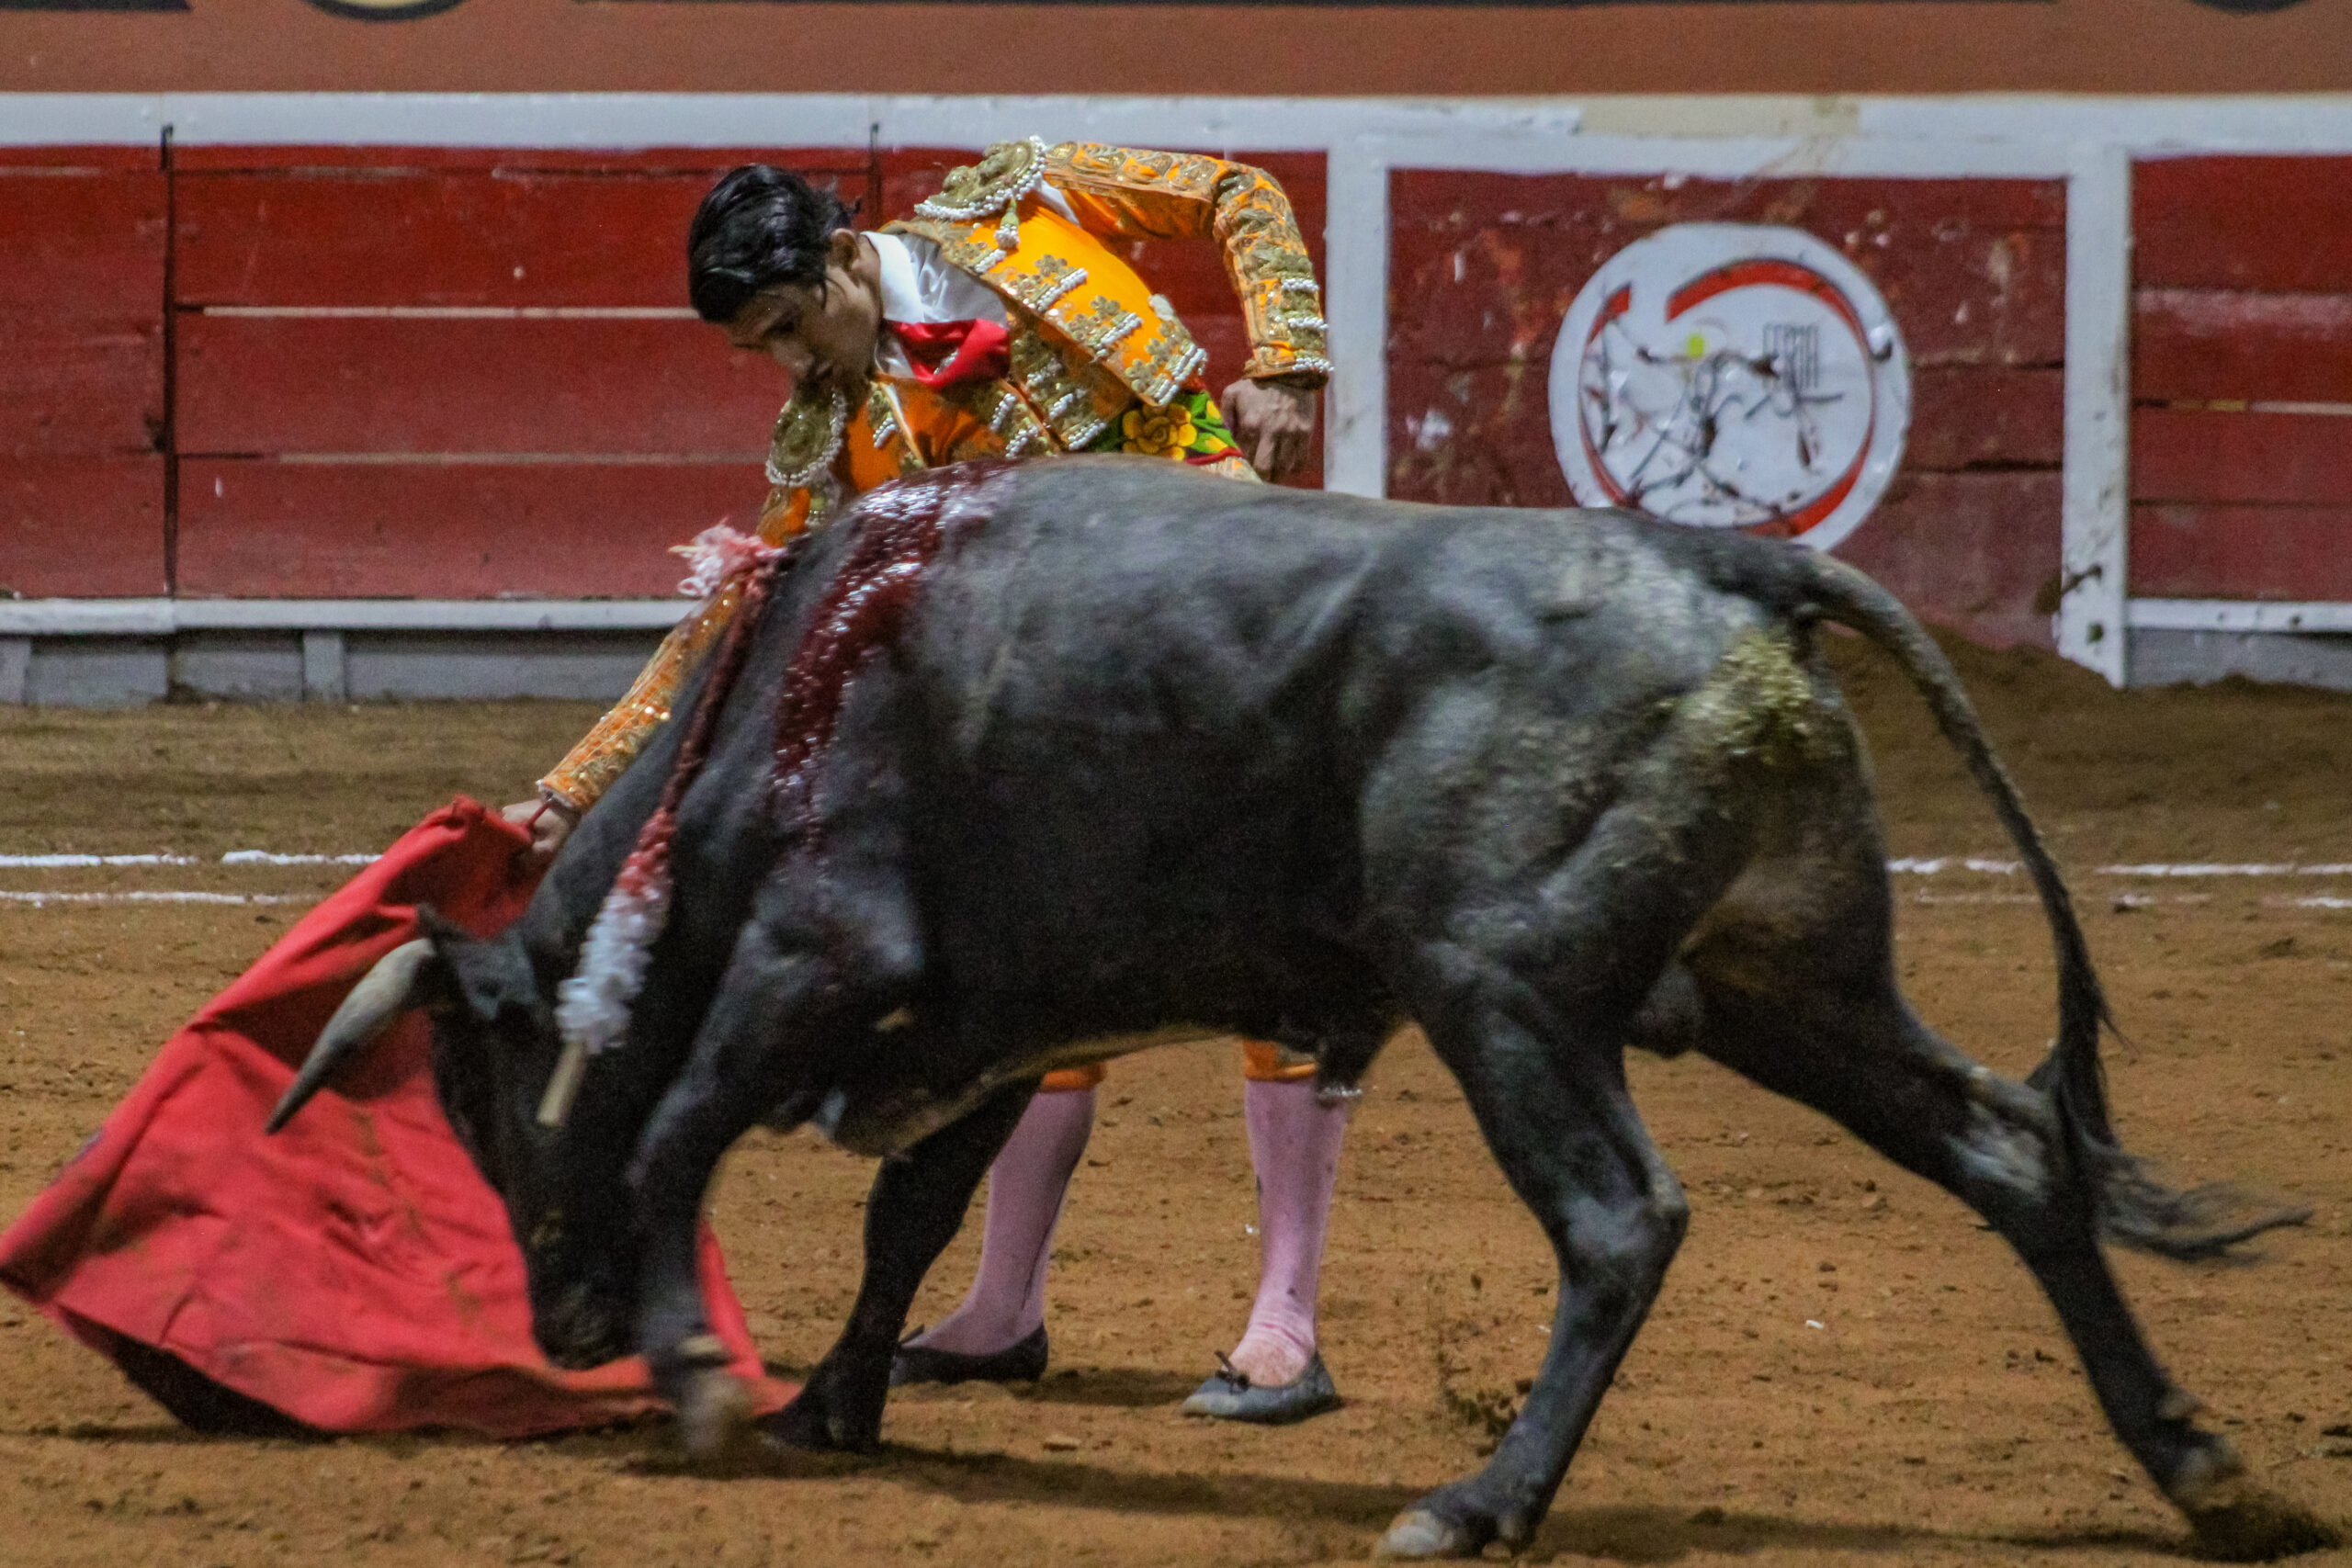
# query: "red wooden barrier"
[359,331]
[81,371]
[449,530]
[1483,268]
[2242,303]
[273,385]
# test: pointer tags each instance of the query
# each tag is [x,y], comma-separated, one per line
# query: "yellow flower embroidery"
[1158,433]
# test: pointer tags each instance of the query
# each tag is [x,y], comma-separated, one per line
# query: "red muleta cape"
[354,1273]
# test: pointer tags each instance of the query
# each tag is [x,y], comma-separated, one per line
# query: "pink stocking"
[1295,1144]
[1007,1301]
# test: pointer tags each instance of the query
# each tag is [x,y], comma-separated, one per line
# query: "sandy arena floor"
[1842,1368]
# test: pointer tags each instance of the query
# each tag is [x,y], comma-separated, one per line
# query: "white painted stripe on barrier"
[1471,147]
[2237,616]
[601,121]
[2094,524]
[458,312]
[2287,123]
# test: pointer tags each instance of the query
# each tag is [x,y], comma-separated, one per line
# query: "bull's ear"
[484,977]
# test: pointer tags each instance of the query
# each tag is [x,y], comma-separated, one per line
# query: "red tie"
[948,354]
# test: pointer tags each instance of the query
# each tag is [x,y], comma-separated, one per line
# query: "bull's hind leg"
[1791,983]
[1551,1098]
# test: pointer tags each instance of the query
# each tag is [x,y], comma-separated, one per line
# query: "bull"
[1025,768]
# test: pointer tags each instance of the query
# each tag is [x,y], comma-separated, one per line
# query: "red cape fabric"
[353,1272]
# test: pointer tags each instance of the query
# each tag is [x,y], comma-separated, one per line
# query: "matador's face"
[822,336]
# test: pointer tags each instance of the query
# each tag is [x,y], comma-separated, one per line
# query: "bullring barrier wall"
[345,395]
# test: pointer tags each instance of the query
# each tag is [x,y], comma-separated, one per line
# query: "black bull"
[1089,751]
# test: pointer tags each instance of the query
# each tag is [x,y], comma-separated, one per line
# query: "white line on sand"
[160,896]
[234,857]
[46,862]
[1940,864]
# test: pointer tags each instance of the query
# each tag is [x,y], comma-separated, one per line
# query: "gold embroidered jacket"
[1089,343]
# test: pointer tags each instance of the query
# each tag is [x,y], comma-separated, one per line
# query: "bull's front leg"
[791,996]
[917,1204]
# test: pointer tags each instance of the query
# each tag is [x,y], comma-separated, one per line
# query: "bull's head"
[494,1048]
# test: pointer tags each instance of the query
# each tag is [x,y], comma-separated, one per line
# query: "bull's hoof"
[1418,1535]
[833,1412]
[714,1410]
[2237,1521]
[2255,1525]
[1440,1526]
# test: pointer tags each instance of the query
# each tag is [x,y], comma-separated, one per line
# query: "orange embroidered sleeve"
[606,750]
[1159,195]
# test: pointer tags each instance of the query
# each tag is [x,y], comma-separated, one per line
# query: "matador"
[1000,320]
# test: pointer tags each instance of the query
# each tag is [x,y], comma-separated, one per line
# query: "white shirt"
[918,286]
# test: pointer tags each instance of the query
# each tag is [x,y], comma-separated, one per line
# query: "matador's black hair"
[760,226]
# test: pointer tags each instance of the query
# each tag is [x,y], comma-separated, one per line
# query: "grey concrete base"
[329,666]
[477,664]
[97,672]
[363,666]
[2287,659]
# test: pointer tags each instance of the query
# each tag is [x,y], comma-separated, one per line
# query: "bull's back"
[1149,704]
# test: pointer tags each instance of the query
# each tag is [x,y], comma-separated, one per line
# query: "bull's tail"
[2134,1208]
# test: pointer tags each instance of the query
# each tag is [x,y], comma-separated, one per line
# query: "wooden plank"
[455,238]
[282,157]
[79,388]
[2267,224]
[105,158]
[1479,437]
[82,245]
[1484,266]
[2202,345]
[468,385]
[1976,552]
[74,527]
[2221,551]
[1967,417]
[81,307]
[253,528]
[2183,456]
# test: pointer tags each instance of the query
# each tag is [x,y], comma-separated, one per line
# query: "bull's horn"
[382,995]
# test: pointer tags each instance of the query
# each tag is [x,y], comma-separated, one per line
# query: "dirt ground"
[1843,1368]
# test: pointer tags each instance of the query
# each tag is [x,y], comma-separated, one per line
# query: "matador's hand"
[549,822]
[1274,422]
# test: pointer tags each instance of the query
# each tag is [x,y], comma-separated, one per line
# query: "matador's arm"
[606,752]
[1151,196]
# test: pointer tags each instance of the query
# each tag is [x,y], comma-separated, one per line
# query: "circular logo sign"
[1732,376]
